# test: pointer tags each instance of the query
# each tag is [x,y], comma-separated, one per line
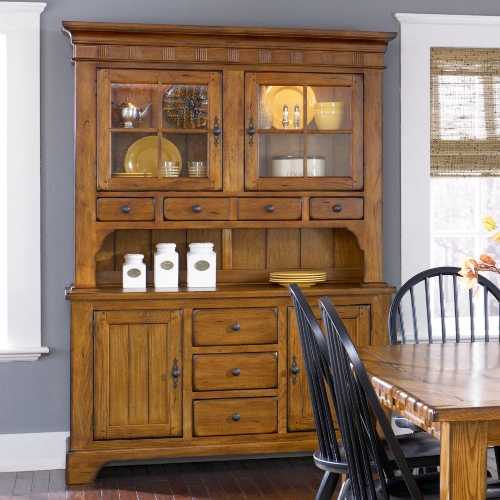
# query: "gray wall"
[34,397]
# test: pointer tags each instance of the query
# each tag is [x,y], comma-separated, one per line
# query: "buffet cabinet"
[266,143]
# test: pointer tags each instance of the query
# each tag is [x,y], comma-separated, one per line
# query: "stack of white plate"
[197,169]
[170,169]
[303,278]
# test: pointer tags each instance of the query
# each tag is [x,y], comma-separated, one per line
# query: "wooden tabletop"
[453,392]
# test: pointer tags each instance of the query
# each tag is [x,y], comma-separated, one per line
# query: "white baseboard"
[33,451]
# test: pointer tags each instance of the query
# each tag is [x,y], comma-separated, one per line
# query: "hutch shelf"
[182,136]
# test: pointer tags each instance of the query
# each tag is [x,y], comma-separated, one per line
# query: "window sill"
[22,353]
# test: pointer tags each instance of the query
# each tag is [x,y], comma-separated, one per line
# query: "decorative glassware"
[265,112]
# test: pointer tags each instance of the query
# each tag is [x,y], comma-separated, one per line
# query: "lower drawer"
[224,417]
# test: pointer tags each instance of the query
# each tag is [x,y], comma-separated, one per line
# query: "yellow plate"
[303,284]
[132,174]
[142,156]
[297,280]
[277,96]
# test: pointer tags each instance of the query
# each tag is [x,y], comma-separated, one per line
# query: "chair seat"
[420,450]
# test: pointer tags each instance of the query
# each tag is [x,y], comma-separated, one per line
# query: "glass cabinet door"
[304,131]
[159,130]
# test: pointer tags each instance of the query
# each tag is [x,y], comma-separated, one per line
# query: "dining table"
[452,391]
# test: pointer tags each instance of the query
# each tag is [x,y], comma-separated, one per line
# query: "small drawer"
[221,372]
[196,208]
[111,209]
[235,326]
[336,208]
[225,417]
[269,208]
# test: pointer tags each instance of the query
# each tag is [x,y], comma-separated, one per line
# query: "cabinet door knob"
[337,208]
[217,131]
[295,370]
[236,417]
[126,209]
[270,209]
[235,327]
[251,131]
[196,209]
[235,371]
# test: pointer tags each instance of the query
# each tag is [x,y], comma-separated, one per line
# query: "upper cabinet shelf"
[159,130]
[305,131]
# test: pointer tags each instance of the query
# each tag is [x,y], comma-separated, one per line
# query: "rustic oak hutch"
[185,372]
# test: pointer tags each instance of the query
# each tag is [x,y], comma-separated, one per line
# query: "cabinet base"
[82,467]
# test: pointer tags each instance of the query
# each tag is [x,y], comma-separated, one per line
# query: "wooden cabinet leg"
[82,468]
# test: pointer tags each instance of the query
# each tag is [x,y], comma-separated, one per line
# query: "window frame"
[418,33]
[20,290]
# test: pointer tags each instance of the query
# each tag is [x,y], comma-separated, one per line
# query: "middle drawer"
[221,372]
[196,208]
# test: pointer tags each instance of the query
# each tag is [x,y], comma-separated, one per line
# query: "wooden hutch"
[161,373]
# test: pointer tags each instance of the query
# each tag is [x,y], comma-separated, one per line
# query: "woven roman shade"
[465,112]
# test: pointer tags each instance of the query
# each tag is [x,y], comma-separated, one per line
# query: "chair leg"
[497,458]
[346,488]
[328,485]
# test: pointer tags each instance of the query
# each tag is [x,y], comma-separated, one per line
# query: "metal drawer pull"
[270,209]
[235,371]
[126,209]
[196,209]
[337,208]
[235,327]
[236,417]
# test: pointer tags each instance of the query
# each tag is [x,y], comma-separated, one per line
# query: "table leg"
[463,460]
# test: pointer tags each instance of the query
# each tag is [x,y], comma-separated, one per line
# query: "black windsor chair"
[357,407]
[424,297]
[422,449]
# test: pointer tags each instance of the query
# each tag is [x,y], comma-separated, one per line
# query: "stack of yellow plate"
[303,278]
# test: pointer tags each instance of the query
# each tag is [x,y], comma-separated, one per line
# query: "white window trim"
[20,288]
[418,33]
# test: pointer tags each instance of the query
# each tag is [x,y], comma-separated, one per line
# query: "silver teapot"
[129,113]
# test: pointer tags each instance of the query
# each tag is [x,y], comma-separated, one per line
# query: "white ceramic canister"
[166,265]
[134,271]
[293,166]
[201,265]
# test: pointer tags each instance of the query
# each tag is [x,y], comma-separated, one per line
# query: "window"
[452,207]
[20,315]
[419,34]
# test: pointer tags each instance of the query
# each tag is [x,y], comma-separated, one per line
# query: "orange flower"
[487,259]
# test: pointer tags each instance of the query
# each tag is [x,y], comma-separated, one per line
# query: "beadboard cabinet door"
[137,374]
[300,413]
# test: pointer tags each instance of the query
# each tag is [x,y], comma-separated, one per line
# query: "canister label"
[134,272]
[167,264]
[201,265]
